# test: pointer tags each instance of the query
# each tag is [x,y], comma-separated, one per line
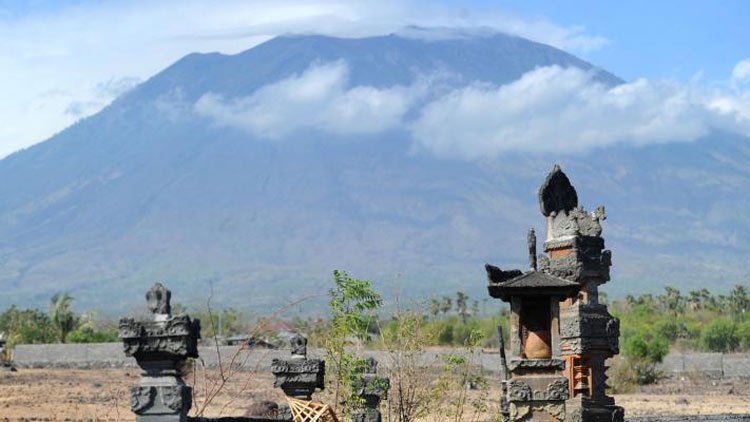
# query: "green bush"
[720,335]
[91,335]
[743,333]
[643,351]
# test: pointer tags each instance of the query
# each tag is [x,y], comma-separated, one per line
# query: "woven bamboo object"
[310,411]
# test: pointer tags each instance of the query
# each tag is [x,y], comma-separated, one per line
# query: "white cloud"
[741,72]
[75,48]
[317,99]
[559,110]
[548,109]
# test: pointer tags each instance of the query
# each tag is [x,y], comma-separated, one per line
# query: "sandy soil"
[102,395]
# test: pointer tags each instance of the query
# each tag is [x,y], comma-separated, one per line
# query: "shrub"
[91,335]
[643,352]
[720,336]
[743,333]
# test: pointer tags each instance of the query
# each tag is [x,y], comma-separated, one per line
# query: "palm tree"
[62,316]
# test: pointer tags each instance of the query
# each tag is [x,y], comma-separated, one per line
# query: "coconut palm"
[62,316]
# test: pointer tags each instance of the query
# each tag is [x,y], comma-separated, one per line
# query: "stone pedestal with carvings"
[160,346]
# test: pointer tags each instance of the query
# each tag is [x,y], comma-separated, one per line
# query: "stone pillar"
[298,376]
[371,388]
[160,346]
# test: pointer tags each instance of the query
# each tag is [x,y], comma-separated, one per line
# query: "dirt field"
[102,395]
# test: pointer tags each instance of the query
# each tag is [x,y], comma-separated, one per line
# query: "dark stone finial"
[158,298]
[556,193]
[299,345]
[371,365]
[531,243]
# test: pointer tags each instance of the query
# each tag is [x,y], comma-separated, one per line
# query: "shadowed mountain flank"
[147,190]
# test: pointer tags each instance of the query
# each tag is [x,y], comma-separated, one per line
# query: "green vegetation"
[58,325]
[352,309]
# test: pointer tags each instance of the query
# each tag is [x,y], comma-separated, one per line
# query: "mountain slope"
[144,190]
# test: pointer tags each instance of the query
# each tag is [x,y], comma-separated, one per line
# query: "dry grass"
[102,395]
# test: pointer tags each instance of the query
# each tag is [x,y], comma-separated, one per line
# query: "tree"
[352,308]
[739,303]
[462,306]
[435,307]
[671,301]
[62,316]
[26,326]
[446,304]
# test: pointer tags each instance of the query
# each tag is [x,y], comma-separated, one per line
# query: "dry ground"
[102,395]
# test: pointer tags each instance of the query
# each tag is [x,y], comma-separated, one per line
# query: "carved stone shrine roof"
[533,283]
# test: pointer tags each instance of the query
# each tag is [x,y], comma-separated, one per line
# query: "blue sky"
[61,61]
[664,39]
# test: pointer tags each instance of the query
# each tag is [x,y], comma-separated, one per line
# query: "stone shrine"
[560,336]
[299,376]
[160,346]
[371,388]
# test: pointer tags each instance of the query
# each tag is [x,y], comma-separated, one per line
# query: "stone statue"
[158,299]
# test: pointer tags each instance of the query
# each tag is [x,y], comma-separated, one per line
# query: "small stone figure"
[160,346]
[371,388]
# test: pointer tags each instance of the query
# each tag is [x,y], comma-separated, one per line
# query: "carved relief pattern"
[558,390]
[519,391]
[177,335]
[175,397]
[141,398]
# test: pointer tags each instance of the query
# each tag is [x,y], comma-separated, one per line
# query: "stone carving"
[516,364]
[298,376]
[556,193]
[160,346]
[618,414]
[613,335]
[177,335]
[159,298]
[141,398]
[175,397]
[557,390]
[519,391]
[299,345]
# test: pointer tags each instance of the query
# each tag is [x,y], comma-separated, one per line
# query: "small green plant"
[352,309]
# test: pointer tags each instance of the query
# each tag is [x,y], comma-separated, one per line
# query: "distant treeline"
[699,320]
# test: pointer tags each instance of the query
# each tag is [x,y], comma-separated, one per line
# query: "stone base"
[585,410]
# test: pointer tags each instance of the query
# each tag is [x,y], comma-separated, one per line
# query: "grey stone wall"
[715,365]
[110,355]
